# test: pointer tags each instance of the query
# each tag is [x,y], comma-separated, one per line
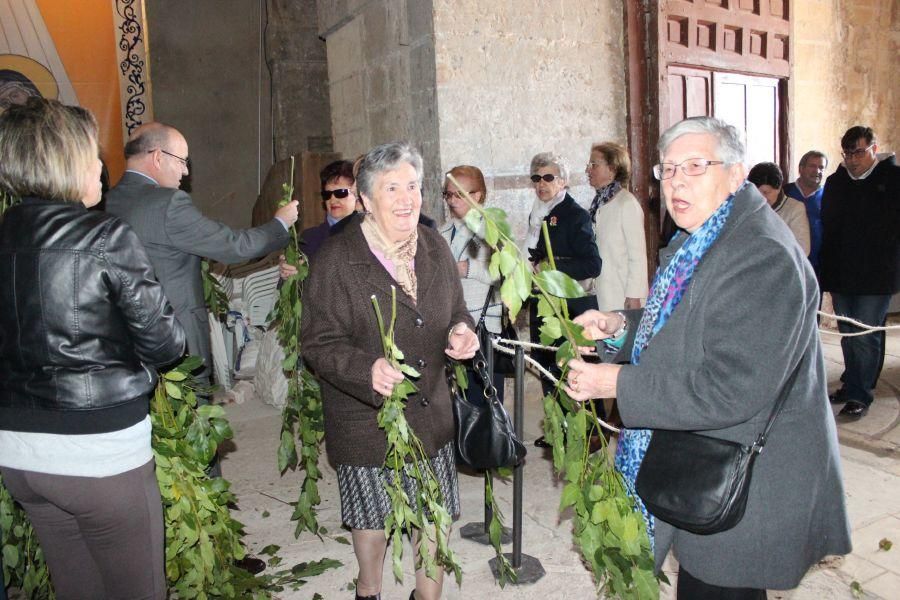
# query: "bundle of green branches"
[302,419]
[609,529]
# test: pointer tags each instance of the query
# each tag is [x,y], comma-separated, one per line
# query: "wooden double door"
[752,103]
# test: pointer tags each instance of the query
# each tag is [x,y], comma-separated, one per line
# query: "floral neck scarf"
[400,253]
[604,195]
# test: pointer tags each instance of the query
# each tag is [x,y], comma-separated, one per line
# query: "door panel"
[750,104]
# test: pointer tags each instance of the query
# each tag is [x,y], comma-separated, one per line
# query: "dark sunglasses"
[548,177]
[340,194]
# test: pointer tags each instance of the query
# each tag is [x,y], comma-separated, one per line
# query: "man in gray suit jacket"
[176,234]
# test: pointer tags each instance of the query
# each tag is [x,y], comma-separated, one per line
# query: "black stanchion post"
[475,531]
[528,569]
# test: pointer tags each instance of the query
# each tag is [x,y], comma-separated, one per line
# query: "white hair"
[731,146]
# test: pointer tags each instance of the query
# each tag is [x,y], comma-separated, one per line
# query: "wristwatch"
[622,329]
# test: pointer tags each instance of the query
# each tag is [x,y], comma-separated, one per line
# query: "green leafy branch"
[23,560]
[213,294]
[608,528]
[302,419]
[406,459]
[202,539]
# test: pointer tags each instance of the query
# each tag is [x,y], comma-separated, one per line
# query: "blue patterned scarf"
[668,288]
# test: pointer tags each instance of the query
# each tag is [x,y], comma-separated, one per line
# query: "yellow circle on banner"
[35,72]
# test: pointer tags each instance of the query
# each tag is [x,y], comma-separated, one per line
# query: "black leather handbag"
[485,437]
[698,483]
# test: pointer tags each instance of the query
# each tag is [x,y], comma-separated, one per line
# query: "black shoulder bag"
[485,437]
[698,483]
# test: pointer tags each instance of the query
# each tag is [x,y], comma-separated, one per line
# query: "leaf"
[494,266]
[408,370]
[474,220]
[856,589]
[557,283]
[508,258]
[491,234]
[522,276]
[550,330]
[270,550]
[885,544]
[175,376]
[570,494]
[510,297]
[173,390]
[341,540]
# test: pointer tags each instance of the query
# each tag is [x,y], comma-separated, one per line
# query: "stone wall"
[211,90]
[301,111]
[210,67]
[518,77]
[845,73]
[381,77]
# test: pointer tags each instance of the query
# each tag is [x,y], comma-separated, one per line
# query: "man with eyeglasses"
[177,236]
[860,258]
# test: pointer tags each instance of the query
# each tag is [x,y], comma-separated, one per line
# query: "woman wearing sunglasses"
[339,201]
[571,240]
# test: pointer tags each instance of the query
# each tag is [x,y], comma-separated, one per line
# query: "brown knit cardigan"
[340,341]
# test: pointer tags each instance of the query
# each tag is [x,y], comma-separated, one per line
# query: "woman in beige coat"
[619,228]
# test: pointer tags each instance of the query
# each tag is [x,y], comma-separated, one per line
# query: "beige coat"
[619,229]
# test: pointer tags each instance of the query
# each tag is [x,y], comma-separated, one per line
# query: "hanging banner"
[90,53]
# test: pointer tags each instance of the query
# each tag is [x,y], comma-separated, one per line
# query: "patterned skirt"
[365,504]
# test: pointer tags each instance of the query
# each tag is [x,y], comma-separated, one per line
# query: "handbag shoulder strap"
[779,404]
[487,302]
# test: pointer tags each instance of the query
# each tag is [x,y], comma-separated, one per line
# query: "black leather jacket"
[81,314]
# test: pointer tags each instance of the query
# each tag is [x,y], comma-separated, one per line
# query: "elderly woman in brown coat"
[342,344]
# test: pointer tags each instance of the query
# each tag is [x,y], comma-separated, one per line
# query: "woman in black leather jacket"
[82,326]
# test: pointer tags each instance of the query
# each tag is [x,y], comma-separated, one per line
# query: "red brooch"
[553,221]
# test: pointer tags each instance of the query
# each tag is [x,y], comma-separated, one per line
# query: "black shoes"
[853,410]
[542,443]
[375,597]
[251,564]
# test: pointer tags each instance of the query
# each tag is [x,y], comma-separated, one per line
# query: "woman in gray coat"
[731,315]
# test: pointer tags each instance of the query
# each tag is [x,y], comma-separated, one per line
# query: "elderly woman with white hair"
[573,245]
[728,329]
[341,342]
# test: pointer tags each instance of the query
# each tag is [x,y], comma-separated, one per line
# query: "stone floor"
[869,449]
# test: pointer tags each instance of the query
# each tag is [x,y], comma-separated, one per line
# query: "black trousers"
[691,588]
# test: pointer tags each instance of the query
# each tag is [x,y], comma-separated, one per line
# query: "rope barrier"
[506,347]
[866,329]
[497,343]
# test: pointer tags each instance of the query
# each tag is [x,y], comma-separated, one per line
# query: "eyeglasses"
[340,194]
[184,161]
[458,195]
[858,153]
[548,177]
[691,166]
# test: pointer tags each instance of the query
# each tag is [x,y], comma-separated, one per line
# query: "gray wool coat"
[746,321]
[177,236]
[340,341]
